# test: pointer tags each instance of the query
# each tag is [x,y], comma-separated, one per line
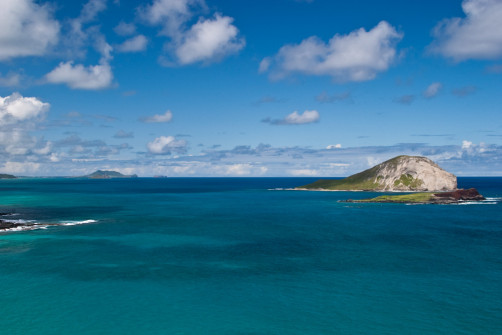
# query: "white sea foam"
[25,228]
[21,221]
[282,189]
[74,223]
[477,203]
[33,225]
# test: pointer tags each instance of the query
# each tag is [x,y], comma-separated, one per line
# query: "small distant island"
[402,174]
[7,176]
[102,174]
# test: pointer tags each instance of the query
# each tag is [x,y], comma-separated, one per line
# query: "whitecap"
[74,223]
[477,203]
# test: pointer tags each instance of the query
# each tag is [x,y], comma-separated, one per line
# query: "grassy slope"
[364,180]
[406,198]
[359,181]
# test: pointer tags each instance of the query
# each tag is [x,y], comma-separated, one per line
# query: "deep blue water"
[232,256]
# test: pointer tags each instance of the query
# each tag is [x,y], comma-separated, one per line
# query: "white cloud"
[432,90]
[209,40]
[18,116]
[466,145]
[125,29]
[358,56]
[11,79]
[134,44]
[166,145]
[159,118]
[476,36]
[26,29]
[78,35]
[265,65]
[78,76]
[172,14]
[17,168]
[304,172]
[334,146]
[16,108]
[296,118]
[238,169]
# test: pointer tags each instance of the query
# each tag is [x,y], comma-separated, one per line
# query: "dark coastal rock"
[9,225]
[460,195]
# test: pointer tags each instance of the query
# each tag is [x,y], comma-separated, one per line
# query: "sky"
[248,88]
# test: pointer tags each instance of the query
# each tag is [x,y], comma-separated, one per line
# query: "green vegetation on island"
[7,176]
[101,174]
[401,198]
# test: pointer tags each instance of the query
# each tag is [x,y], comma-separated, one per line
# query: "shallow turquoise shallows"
[245,256]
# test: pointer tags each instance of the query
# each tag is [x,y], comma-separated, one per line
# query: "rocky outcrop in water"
[453,197]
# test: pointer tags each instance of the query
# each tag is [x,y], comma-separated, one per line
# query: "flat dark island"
[453,197]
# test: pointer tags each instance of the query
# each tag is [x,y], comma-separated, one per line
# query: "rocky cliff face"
[401,173]
[413,173]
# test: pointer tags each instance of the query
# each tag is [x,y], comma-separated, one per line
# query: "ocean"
[244,256]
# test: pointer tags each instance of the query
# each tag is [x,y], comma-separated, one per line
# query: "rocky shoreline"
[441,198]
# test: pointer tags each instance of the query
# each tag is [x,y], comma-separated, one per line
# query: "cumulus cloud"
[26,29]
[20,167]
[79,76]
[432,90]
[295,118]
[18,117]
[165,145]
[93,77]
[134,44]
[79,34]
[207,40]
[15,108]
[476,36]
[358,56]
[159,118]
[171,14]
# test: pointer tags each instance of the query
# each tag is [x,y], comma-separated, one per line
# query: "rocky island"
[7,176]
[101,174]
[402,174]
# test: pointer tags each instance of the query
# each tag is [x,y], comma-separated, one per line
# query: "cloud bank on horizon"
[93,84]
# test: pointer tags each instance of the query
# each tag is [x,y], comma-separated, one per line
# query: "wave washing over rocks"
[7,224]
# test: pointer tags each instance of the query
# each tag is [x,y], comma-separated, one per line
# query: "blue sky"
[248,88]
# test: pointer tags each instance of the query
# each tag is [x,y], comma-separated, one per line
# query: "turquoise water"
[236,256]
